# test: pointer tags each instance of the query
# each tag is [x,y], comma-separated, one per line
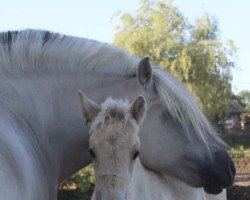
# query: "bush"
[84,178]
[238,152]
[236,139]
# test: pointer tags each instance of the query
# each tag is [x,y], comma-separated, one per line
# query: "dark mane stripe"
[6,38]
[49,37]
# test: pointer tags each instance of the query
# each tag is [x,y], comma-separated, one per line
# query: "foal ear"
[89,108]
[138,109]
[144,72]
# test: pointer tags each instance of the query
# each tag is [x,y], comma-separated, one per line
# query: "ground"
[241,188]
[234,193]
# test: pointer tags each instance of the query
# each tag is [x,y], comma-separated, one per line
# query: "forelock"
[113,111]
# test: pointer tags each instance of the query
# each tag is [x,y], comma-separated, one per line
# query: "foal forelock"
[43,51]
[112,110]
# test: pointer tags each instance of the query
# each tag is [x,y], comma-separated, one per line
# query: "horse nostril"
[218,173]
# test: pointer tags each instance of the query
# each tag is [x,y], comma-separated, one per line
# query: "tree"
[194,53]
[239,100]
[247,107]
[244,95]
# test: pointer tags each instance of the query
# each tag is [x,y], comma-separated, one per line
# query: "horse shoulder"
[21,176]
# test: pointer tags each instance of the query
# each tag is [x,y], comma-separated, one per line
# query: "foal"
[114,146]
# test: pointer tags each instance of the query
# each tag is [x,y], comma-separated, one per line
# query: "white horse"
[42,139]
[114,146]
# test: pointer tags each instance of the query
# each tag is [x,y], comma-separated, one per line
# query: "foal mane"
[44,51]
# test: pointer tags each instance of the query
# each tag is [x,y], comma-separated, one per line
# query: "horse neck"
[51,108]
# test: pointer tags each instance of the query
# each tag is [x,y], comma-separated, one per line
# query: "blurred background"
[204,43]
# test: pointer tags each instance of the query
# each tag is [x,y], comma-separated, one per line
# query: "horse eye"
[135,155]
[91,153]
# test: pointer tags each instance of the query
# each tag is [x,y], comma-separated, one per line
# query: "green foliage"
[247,107]
[85,178]
[239,99]
[194,53]
[244,95]
[157,30]
[239,142]
[238,152]
[237,138]
[243,98]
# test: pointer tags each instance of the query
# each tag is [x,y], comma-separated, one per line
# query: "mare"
[42,139]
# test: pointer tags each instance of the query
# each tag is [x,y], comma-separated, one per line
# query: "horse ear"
[144,72]
[89,108]
[138,109]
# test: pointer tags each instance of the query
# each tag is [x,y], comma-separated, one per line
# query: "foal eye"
[91,153]
[135,155]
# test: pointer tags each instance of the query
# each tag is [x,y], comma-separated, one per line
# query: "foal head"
[114,143]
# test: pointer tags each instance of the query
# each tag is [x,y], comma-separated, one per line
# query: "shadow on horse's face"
[182,154]
[176,138]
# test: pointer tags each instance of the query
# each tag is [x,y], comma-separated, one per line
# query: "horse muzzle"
[218,173]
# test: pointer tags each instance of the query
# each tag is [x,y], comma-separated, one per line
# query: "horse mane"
[182,106]
[37,50]
[44,51]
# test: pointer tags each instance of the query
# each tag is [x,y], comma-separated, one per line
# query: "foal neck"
[147,185]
